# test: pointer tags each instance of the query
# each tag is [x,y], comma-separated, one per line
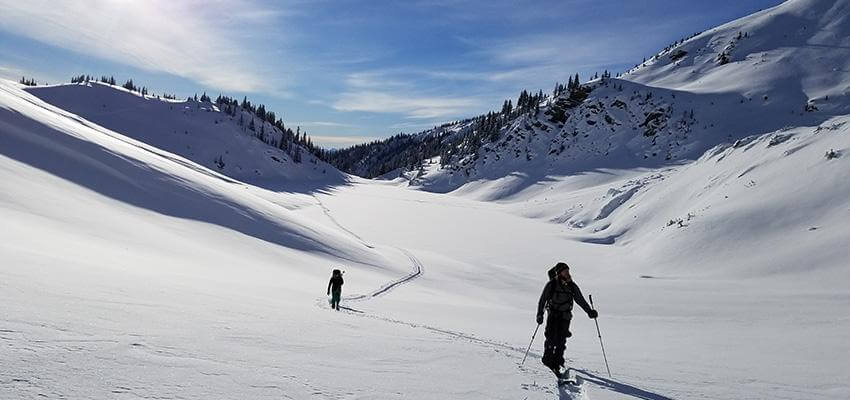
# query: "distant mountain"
[780,67]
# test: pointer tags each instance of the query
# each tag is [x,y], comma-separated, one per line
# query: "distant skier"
[558,296]
[335,287]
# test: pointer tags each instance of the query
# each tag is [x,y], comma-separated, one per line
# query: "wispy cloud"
[411,105]
[380,79]
[495,69]
[506,12]
[337,142]
[574,49]
[192,39]
[14,73]
[10,72]
[321,123]
[417,126]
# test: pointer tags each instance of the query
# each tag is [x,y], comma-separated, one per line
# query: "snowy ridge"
[54,140]
[795,54]
[785,66]
[198,131]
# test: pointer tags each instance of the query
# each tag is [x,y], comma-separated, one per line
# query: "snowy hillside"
[198,131]
[787,57]
[45,145]
[133,272]
[736,202]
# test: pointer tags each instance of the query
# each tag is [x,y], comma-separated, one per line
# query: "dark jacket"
[335,283]
[558,297]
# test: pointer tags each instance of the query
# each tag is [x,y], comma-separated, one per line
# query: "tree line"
[454,141]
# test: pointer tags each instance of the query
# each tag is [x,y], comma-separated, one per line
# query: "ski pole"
[529,345]
[600,338]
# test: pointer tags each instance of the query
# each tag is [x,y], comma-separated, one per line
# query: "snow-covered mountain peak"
[798,51]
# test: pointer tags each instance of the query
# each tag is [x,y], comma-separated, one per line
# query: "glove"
[539,319]
[592,314]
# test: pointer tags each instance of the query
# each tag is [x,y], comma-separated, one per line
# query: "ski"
[564,378]
[567,382]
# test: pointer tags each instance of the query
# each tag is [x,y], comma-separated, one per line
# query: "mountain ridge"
[236,143]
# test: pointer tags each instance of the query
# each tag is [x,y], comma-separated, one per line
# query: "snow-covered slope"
[198,131]
[713,241]
[129,271]
[769,204]
[794,54]
[47,146]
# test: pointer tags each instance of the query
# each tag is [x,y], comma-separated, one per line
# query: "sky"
[348,71]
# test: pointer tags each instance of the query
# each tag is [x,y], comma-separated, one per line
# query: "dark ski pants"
[557,332]
[335,295]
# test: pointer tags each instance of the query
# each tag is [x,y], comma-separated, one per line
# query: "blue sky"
[348,71]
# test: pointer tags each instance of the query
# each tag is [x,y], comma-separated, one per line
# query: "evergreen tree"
[130,86]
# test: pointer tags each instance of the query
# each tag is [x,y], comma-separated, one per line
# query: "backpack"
[553,273]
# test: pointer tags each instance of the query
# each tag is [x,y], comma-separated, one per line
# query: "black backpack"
[553,273]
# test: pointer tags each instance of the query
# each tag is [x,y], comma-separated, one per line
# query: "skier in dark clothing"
[335,286]
[558,296]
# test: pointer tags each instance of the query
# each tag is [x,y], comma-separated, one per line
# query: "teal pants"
[335,295]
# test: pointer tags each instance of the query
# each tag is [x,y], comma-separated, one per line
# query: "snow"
[796,51]
[152,287]
[132,266]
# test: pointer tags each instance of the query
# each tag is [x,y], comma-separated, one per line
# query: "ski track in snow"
[417,265]
[32,382]
[564,392]
[165,356]
[327,212]
[417,271]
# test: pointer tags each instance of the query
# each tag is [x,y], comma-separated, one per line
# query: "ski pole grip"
[590,296]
